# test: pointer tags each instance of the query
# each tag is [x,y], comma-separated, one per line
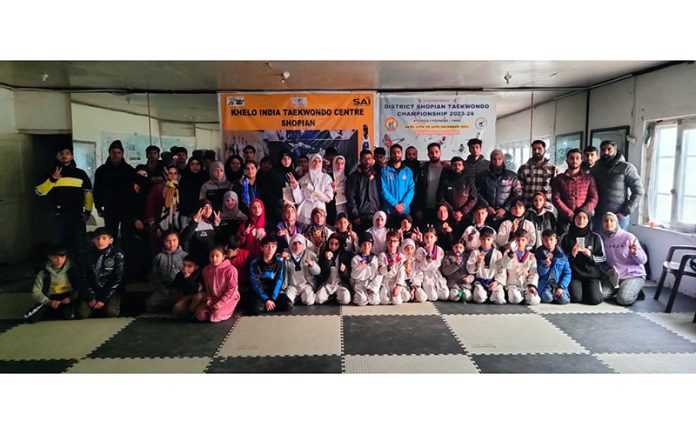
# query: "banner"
[450,120]
[300,123]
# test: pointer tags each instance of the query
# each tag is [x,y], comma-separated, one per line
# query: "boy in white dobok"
[485,264]
[391,267]
[459,281]
[364,273]
[301,267]
[413,277]
[428,260]
[521,267]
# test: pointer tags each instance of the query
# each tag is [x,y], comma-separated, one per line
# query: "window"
[518,152]
[564,143]
[673,193]
[617,134]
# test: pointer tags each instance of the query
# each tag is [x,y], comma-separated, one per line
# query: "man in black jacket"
[427,181]
[457,190]
[362,193]
[618,185]
[113,183]
[70,192]
[475,164]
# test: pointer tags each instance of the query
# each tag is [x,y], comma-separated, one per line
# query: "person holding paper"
[586,255]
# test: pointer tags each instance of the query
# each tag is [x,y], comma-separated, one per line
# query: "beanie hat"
[116,144]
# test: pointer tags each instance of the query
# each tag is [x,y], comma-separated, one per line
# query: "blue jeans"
[547,296]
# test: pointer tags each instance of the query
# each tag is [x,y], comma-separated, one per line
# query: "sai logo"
[391,124]
[298,101]
[235,101]
[481,123]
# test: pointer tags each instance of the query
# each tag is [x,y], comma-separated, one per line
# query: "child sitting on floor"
[516,221]
[485,264]
[165,266]
[104,278]
[391,267]
[364,273]
[521,267]
[379,232]
[301,267]
[471,233]
[413,277]
[220,286]
[56,287]
[348,238]
[428,260]
[188,287]
[267,278]
[334,278]
[317,232]
[554,270]
[454,270]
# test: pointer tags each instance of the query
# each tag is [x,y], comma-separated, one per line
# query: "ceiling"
[185,90]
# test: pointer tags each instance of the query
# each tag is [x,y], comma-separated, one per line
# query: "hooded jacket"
[618,254]
[220,283]
[615,179]
[54,284]
[166,265]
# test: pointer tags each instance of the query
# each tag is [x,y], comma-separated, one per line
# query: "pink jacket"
[221,284]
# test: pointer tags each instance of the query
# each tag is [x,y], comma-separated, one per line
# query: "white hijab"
[301,239]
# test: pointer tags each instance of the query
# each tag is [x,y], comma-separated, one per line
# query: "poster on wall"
[134,145]
[450,120]
[299,123]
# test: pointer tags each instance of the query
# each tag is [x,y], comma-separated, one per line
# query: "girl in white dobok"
[313,190]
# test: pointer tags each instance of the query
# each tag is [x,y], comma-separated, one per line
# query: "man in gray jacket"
[618,185]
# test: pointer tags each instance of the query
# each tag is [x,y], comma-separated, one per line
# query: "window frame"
[621,146]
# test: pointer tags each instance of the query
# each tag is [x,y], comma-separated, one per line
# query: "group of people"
[266,236]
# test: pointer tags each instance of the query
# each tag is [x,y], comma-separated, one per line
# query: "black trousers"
[42,312]
[70,231]
[587,291]
[283,304]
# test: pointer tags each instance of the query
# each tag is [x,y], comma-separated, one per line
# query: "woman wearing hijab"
[190,185]
[317,232]
[312,191]
[215,188]
[252,231]
[585,252]
[627,257]
[231,217]
[234,168]
[288,226]
[340,202]
[379,232]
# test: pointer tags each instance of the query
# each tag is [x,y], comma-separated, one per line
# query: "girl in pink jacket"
[220,286]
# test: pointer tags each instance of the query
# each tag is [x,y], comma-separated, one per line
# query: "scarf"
[297,257]
[260,222]
[339,176]
[315,174]
[232,213]
[248,193]
[577,232]
[211,168]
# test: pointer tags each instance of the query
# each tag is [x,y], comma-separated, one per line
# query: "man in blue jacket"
[398,187]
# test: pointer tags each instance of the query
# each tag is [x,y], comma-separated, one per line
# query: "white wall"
[7,111]
[90,122]
[661,94]
[42,111]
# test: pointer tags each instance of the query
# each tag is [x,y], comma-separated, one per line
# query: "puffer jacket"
[105,274]
[498,191]
[458,190]
[614,179]
[572,192]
